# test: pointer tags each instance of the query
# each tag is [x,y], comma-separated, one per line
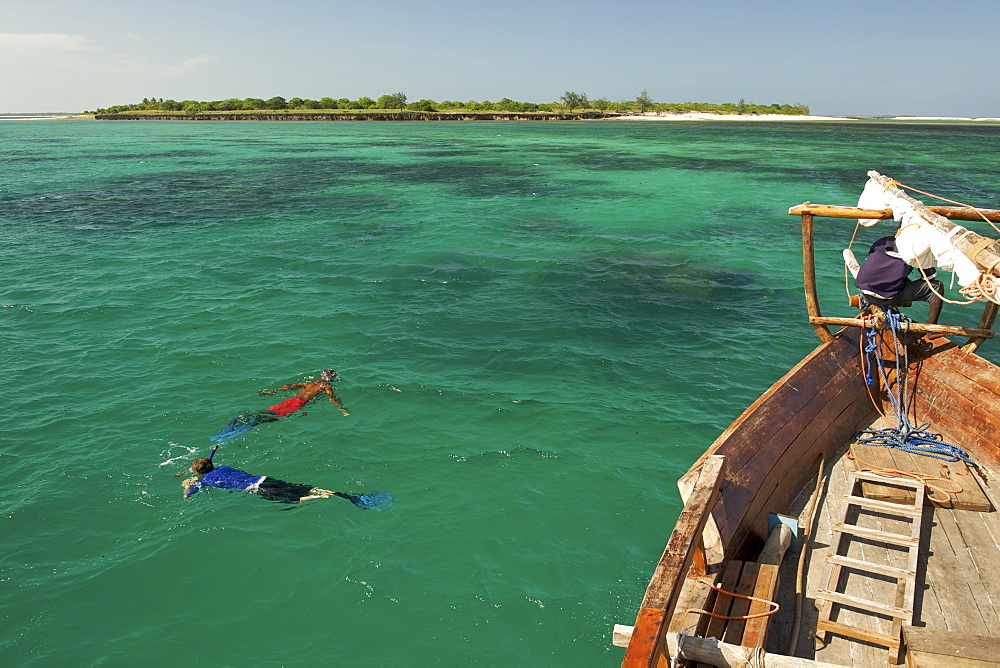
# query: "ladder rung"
[862,604]
[869,567]
[859,634]
[876,535]
[907,509]
[912,483]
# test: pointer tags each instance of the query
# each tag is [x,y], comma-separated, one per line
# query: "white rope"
[957,228]
[983,288]
[751,657]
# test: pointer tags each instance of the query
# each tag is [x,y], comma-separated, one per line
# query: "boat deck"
[956,590]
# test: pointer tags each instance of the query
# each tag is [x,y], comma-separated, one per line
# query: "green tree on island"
[394,101]
[643,101]
[422,105]
[602,104]
[574,100]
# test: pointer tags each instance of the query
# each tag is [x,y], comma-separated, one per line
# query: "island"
[394,107]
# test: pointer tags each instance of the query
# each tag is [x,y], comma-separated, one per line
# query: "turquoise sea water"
[539,327]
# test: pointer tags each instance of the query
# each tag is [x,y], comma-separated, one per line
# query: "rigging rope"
[916,475]
[751,598]
[944,199]
[917,440]
[983,288]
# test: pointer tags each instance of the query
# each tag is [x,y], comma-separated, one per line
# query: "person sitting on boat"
[226,477]
[884,280]
[309,391]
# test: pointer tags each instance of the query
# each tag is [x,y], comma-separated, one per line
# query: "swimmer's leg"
[317,493]
[266,416]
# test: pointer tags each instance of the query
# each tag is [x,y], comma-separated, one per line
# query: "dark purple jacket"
[884,273]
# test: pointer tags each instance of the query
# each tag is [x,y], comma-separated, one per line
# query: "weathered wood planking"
[839,650]
[771,451]
[772,447]
[714,627]
[965,590]
[971,496]
[959,392]
[647,645]
[755,633]
[836,421]
[741,606]
[937,649]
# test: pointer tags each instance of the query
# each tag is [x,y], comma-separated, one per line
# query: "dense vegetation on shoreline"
[570,102]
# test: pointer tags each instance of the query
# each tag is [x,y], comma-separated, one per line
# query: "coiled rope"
[917,440]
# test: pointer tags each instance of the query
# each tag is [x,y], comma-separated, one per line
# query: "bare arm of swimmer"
[290,386]
[335,400]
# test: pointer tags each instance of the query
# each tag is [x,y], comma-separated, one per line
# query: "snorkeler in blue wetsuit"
[226,477]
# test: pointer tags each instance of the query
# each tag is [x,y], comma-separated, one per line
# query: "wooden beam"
[950,212]
[715,653]
[986,322]
[809,275]
[939,649]
[915,327]
[778,542]
[648,645]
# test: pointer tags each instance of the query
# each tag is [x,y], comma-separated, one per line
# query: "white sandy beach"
[702,116]
[941,118]
[39,117]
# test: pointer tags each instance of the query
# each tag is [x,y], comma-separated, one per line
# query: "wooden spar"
[950,212]
[809,275]
[985,252]
[648,643]
[915,327]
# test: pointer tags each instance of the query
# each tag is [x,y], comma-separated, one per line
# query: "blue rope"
[918,441]
[915,440]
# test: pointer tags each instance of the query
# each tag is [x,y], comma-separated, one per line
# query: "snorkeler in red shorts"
[308,392]
[287,407]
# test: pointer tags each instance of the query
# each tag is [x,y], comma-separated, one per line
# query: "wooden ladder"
[833,596]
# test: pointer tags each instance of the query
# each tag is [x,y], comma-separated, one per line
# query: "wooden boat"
[869,566]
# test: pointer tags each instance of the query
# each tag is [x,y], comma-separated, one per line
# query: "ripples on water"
[539,327]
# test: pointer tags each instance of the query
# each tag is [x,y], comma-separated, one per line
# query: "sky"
[839,57]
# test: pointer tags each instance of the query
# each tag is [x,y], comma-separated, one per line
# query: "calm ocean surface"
[539,327]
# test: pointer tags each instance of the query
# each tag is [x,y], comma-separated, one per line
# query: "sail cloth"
[919,243]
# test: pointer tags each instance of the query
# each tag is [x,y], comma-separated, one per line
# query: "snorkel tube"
[190,470]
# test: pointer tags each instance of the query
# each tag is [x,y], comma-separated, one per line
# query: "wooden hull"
[774,449]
